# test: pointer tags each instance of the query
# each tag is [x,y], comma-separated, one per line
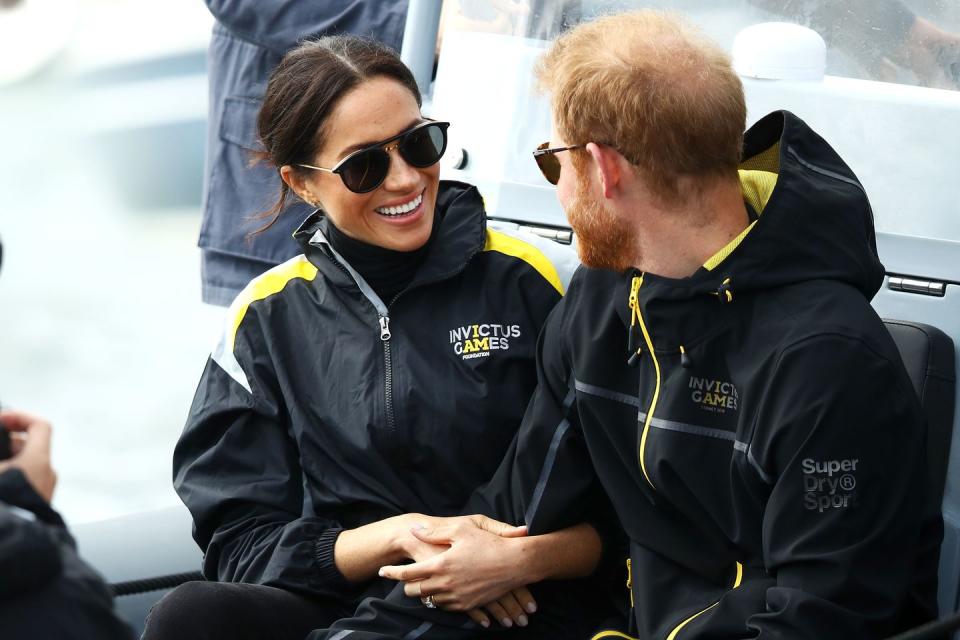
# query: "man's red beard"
[603,240]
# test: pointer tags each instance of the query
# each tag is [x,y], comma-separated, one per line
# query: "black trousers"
[215,610]
[231,611]
[568,610]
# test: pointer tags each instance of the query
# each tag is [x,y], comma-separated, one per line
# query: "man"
[46,590]
[718,366]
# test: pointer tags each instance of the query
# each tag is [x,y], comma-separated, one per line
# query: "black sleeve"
[280,25]
[46,590]
[237,469]
[546,479]
[29,547]
[846,466]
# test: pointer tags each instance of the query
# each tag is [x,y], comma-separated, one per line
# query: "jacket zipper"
[383,318]
[385,333]
[388,370]
[636,317]
[383,322]
[736,583]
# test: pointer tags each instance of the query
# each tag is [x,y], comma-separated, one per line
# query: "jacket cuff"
[326,565]
[16,491]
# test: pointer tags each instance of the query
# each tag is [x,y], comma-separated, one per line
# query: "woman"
[376,378]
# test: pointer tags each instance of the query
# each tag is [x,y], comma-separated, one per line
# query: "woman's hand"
[360,552]
[484,566]
[512,607]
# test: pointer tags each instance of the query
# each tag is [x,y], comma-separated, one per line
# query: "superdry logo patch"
[479,340]
[830,484]
[716,396]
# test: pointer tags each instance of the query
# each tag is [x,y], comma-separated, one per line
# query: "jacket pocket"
[239,122]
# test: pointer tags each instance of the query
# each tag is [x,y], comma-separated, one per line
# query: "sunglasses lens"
[425,146]
[549,165]
[365,171]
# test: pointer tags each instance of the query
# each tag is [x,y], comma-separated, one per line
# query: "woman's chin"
[408,232]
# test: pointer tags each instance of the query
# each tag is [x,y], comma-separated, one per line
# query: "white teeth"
[402,209]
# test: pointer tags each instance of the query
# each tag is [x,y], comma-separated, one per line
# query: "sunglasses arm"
[310,166]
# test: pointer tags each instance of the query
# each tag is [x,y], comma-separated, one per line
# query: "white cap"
[779,51]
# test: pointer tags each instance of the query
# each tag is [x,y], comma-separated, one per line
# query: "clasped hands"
[472,564]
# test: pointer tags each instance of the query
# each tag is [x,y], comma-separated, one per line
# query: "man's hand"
[30,444]
[482,567]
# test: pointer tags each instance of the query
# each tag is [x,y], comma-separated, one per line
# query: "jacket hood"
[460,236]
[815,221]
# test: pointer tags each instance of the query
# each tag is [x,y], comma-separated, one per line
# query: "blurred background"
[102,112]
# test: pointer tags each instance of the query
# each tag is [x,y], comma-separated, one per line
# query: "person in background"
[249,39]
[46,589]
[884,36]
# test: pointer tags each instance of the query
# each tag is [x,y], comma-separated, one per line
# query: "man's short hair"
[655,88]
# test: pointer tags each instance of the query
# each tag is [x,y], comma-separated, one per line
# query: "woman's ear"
[295,180]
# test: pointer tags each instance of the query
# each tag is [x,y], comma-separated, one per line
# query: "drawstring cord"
[637,328]
[724,292]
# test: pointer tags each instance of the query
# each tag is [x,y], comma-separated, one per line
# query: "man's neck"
[675,242]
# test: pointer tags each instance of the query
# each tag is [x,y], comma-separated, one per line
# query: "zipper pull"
[635,291]
[633,335]
[385,328]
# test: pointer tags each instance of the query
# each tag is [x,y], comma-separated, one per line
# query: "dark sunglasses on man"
[365,169]
[547,161]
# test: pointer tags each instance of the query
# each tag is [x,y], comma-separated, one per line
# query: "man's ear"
[607,165]
[294,180]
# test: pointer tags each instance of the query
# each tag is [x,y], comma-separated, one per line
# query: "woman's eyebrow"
[362,145]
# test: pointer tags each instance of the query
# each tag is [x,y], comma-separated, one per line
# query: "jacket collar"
[461,235]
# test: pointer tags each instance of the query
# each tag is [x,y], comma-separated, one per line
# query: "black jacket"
[324,408]
[765,449]
[46,590]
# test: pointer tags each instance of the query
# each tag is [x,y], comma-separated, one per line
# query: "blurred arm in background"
[46,590]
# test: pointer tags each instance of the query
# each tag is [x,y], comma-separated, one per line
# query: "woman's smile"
[403,212]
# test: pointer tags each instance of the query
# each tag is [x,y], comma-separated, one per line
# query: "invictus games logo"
[716,396]
[830,484]
[478,340]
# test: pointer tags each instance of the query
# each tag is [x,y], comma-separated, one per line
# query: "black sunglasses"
[365,169]
[547,161]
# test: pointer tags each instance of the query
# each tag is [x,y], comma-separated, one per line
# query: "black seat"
[928,355]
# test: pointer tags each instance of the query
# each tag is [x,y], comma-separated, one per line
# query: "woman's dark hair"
[304,89]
